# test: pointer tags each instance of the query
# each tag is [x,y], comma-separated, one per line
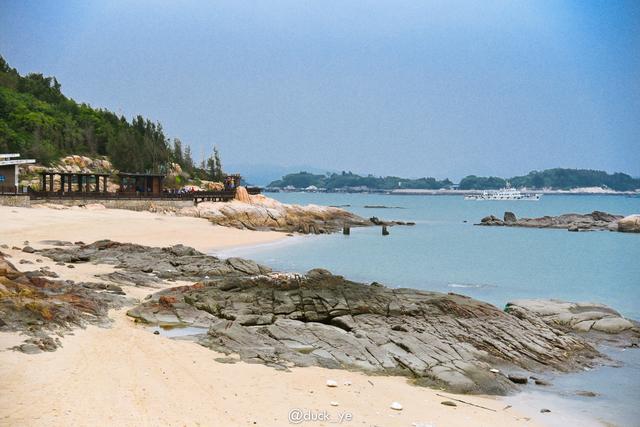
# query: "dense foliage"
[346,180]
[37,120]
[561,179]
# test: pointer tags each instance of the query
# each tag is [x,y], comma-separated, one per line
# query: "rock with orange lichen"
[39,307]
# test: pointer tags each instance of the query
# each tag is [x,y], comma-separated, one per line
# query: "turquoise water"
[496,264]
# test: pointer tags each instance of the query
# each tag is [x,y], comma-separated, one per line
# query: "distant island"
[549,179]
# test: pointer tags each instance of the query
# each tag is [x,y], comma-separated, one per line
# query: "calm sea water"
[445,252]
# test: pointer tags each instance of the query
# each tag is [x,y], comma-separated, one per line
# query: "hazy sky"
[413,88]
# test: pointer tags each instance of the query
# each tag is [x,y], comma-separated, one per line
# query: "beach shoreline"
[125,375]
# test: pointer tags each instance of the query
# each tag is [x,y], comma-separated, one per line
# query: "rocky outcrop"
[629,224]
[320,319]
[578,317]
[139,265]
[595,220]
[41,308]
[262,213]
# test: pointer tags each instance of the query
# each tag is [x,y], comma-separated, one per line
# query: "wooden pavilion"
[82,181]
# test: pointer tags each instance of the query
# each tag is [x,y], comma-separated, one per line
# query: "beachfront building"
[148,184]
[10,172]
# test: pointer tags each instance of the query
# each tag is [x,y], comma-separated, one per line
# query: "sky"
[410,88]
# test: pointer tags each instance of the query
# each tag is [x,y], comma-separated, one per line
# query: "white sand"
[125,375]
[35,224]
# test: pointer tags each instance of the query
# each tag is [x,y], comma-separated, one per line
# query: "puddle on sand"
[177,331]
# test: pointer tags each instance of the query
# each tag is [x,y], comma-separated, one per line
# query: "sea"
[444,251]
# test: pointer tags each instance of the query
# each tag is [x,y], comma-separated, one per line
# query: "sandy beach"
[125,375]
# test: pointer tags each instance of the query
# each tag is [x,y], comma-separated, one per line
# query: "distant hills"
[557,179]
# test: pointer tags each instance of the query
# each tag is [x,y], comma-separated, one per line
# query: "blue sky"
[411,88]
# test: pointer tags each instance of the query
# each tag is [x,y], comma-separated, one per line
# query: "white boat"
[507,193]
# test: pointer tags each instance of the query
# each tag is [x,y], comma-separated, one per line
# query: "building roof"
[74,173]
[6,160]
[161,175]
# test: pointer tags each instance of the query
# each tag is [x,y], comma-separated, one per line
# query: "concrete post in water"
[346,230]
[385,232]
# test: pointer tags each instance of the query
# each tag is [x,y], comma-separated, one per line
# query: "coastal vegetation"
[37,120]
[557,179]
[346,180]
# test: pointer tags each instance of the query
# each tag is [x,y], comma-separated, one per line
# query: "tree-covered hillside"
[350,180]
[559,179]
[38,121]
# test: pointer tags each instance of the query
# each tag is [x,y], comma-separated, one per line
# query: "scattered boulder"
[491,220]
[509,217]
[28,249]
[629,224]
[579,317]
[518,379]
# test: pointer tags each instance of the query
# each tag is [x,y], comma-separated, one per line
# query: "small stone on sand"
[396,406]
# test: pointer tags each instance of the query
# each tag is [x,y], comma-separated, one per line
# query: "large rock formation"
[262,213]
[595,220]
[320,319]
[285,320]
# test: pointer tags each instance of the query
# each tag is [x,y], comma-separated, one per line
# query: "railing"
[93,195]
[12,190]
[197,196]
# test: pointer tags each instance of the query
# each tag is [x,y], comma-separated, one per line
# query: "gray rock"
[518,379]
[324,320]
[573,222]
[28,249]
[583,318]
[139,265]
[509,217]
